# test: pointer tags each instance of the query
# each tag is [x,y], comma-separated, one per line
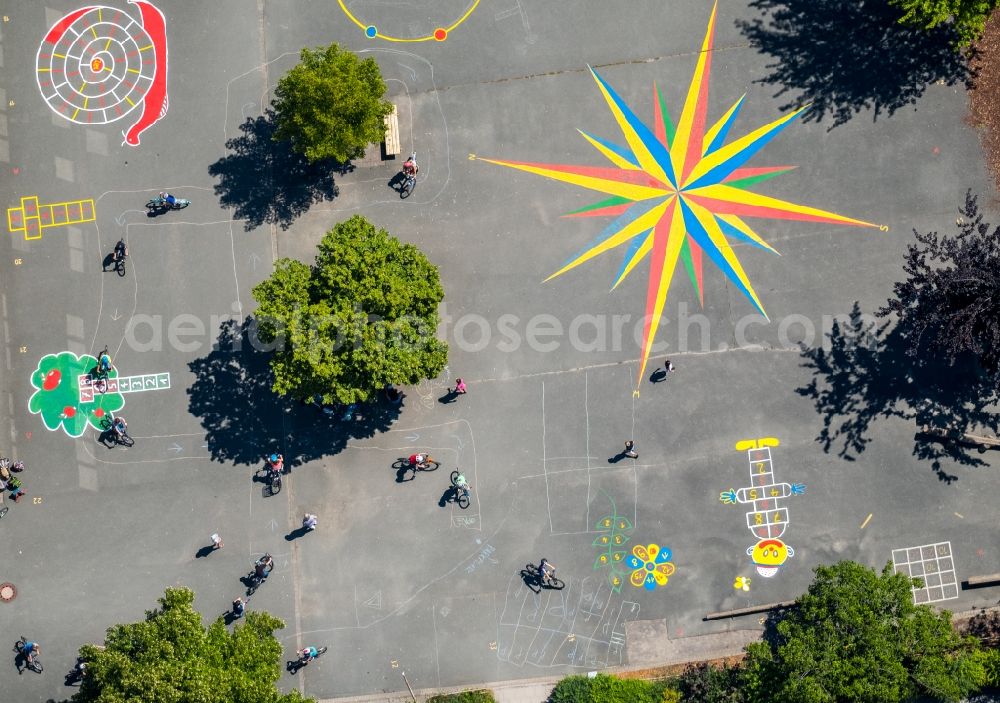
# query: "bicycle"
[30,661]
[255,579]
[305,658]
[271,477]
[409,180]
[462,492]
[530,572]
[119,256]
[121,437]
[159,204]
[428,464]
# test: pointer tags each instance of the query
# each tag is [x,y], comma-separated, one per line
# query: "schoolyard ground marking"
[31,218]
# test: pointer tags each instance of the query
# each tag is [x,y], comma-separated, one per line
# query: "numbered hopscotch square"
[933,564]
[162,380]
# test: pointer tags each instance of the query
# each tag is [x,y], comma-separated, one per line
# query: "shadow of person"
[107,438]
[862,372]
[866,59]
[401,472]
[450,397]
[658,376]
[296,533]
[396,182]
[264,181]
[616,458]
[109,260]
[450,495]
[204,552]
[293,666]
[532,580]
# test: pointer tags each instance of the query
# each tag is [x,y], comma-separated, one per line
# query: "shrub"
[604,688]
[480,696]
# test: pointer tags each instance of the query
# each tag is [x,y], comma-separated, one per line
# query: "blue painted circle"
[371,32]
[649,566]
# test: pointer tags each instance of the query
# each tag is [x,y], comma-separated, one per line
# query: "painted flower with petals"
[651,566]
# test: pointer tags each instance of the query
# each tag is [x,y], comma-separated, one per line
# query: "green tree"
[857,636]
[170,657]
[704,683]
[966,17]
[362,317]
[330,105]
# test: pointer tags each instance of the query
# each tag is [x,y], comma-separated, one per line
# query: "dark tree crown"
[950,300]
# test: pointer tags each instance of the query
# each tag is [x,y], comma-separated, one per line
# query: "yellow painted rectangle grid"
[31,218]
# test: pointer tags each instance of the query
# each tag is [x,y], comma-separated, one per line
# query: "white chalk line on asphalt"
[401,606]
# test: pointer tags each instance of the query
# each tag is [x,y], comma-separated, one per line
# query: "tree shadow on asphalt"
[864,373]
[264,181]
[244,419]
[839,57]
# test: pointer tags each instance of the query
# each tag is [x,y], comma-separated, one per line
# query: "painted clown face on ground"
[768,555]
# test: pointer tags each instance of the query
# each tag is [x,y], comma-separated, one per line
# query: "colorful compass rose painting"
[679,192]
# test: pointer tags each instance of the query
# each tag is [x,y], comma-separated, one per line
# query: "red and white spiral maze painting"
[99,64]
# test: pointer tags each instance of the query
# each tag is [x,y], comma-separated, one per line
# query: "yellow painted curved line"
[401,40]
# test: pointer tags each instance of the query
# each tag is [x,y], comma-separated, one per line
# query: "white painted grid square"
[931,563]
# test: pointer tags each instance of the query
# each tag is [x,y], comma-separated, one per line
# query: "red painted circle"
[440,34]
[69,411]
[99,412]
[7,592]
[52,379]
[96,65]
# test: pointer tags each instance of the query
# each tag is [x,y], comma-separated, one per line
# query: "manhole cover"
[7,592]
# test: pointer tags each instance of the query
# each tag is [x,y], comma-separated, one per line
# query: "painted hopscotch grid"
[581,626]
[766,520]
[31,218]
[123,384]
[933,564]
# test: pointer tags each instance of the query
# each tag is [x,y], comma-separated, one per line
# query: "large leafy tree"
[330,105]
[170,657]
[705,683]
[966,17]
[363,316]
[950,301]
[856,635]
